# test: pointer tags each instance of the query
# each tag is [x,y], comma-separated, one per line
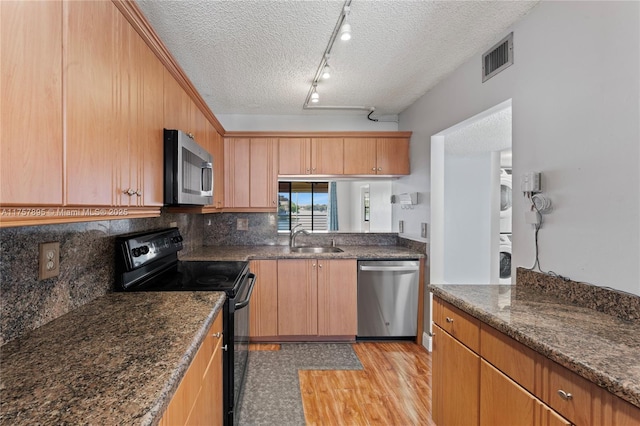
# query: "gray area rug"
[272,389]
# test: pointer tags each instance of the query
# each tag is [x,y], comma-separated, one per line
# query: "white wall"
[308,123]
[575,95]
[468,199]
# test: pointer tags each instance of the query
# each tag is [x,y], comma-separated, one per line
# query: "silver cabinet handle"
[320,265]
[449,319]
[379,169]
[138,193]
[129,192]
[373,168]
[224,348]
[565,395]
[216,334]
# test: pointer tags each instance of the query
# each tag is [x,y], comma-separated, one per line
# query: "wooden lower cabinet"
[263,307]
[456,381]
[506,383]
[198,399]
[317,297]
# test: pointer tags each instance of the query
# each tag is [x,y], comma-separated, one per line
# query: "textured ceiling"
[491,133]
[259,57]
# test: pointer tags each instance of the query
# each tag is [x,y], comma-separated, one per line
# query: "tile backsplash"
[222,230]
[86,267]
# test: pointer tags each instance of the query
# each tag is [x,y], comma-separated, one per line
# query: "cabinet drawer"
[568,394]
[460,325]
[511,357]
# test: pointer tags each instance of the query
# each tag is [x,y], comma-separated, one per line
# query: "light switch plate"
[242,224]
[48,260]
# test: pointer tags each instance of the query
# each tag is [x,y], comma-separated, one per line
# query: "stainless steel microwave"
[188,170]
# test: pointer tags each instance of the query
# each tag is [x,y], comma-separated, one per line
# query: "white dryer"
[506,200]
[505,259]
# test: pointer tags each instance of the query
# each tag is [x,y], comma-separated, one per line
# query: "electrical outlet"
[49,260]
[423,230]
[242,224]
[401,226]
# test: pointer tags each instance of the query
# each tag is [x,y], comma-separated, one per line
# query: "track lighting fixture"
[342,29]
[326,71]
[345,30]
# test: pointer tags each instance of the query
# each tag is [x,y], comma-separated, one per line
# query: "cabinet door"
[392,156]
[459,383]
[337,297]
[503,401]
[146,136]
[207,408]
[297,298]
[263,306]
[327,156]
[294,156]
[263,175]
[31,108]
[360,156]
[93,89]
[237,172]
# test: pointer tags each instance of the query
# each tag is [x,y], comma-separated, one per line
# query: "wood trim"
[134,15]
[249,210]
[244,134]
[24,216]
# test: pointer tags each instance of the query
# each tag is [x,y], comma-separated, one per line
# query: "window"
[303,203]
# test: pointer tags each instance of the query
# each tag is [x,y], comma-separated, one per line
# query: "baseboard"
[426,341]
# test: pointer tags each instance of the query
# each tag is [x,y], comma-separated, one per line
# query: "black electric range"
[148,261]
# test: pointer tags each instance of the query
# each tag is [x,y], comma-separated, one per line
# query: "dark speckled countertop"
[284,252]
[116,360]
[602,348]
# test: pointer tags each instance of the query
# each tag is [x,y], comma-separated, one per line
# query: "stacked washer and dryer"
[506,203]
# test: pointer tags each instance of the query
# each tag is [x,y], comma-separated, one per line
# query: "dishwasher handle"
[389,268]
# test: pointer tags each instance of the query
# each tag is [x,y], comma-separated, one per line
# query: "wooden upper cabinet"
[392,156]
[382,156]
[263,179]
[172,102]
[294,156]
[327,156]
[360,156]
[250,169]
[236,172]
[31,112]
[93,89]
[147,77]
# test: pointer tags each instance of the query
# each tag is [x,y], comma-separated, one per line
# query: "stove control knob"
[144,249]
[136,252]
[177,239]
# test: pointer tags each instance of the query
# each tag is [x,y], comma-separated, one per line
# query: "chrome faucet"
[294,233]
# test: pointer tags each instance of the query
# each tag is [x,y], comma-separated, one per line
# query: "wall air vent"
[497,58]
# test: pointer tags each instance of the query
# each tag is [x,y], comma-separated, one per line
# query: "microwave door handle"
[208,169]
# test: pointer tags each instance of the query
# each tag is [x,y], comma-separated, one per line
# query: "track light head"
[326,72]
[345,31]
[315,97]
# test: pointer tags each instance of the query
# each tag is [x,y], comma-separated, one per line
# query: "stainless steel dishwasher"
[388,298]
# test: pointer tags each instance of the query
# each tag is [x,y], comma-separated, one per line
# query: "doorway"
[467,160]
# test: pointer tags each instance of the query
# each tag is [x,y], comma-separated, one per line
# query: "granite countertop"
[116,360]
[602,348]
[284,252]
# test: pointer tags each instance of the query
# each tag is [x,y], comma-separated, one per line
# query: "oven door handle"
[245,302]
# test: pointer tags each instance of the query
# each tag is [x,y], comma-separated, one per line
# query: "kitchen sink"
[307,249]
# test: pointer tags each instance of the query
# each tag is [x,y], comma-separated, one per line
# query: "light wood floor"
[393,389]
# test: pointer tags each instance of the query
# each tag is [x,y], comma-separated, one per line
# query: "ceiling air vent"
[497,58]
